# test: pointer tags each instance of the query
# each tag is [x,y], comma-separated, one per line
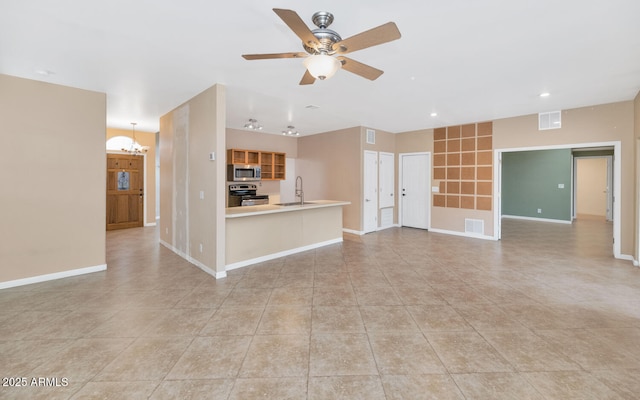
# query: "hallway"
[546,313]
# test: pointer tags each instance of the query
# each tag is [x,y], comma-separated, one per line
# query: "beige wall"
[331,166]
[144,139]
[594,124]
[252,140]
[190,225]
[53,171]
[415,141]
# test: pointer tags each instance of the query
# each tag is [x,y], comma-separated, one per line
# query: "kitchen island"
[259,233]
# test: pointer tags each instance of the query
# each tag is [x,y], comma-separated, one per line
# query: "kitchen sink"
[293,203]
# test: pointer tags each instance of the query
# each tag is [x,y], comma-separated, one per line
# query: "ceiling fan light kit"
[325,48]
[322,66]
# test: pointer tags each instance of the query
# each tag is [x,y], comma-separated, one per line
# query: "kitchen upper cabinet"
[237,156]
[272,164]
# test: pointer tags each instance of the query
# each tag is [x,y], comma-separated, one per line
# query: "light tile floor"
[546,313]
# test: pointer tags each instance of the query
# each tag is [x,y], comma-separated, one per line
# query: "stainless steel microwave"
[243,172]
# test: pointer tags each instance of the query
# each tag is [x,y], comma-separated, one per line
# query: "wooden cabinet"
[237,156]
[272,164]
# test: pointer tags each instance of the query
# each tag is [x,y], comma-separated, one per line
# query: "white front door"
[370,201]
[415,199]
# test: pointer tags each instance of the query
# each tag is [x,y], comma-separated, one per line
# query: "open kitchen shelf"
[273,164]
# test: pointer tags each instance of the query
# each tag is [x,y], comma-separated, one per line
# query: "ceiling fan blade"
[373,37]
[359,68]
[274,55]
[297,25]
[307,78]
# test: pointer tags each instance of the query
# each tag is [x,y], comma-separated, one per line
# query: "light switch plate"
[560,185]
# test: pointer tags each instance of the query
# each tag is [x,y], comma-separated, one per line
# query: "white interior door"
[386,170]
[370,201]
[415,200]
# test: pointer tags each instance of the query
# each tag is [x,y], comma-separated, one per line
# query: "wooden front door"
[125,191]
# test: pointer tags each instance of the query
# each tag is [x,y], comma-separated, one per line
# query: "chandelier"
[135,148]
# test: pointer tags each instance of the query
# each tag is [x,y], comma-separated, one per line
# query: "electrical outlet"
[202,195]
[539,210]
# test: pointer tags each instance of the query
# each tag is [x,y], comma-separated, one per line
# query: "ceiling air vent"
[371,136]
[549,120]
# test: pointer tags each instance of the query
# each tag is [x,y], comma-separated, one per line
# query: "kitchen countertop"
[247,211]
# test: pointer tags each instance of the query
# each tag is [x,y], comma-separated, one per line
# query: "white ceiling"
[466,60]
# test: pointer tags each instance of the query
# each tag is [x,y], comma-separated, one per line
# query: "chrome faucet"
[299,191]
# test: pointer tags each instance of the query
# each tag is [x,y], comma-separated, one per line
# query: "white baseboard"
[360,233]
[555,221]
[195,262]
[627,257]
[51,277]
[150,224]
[273,256]
[464,234]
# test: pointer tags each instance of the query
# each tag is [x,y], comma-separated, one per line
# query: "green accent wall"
[530,182]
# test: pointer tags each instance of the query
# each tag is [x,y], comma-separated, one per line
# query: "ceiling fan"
[325,49]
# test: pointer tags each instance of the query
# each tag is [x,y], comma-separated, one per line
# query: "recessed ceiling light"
[545,94]
[434,114]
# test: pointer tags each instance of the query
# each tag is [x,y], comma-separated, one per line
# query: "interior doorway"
[125,191]
[592,191]
[614,147]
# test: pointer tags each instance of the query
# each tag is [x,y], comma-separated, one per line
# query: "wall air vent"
[474,226]
[549,120]
[371,136]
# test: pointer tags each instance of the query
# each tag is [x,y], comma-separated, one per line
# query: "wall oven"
[243,172]
[245,195]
